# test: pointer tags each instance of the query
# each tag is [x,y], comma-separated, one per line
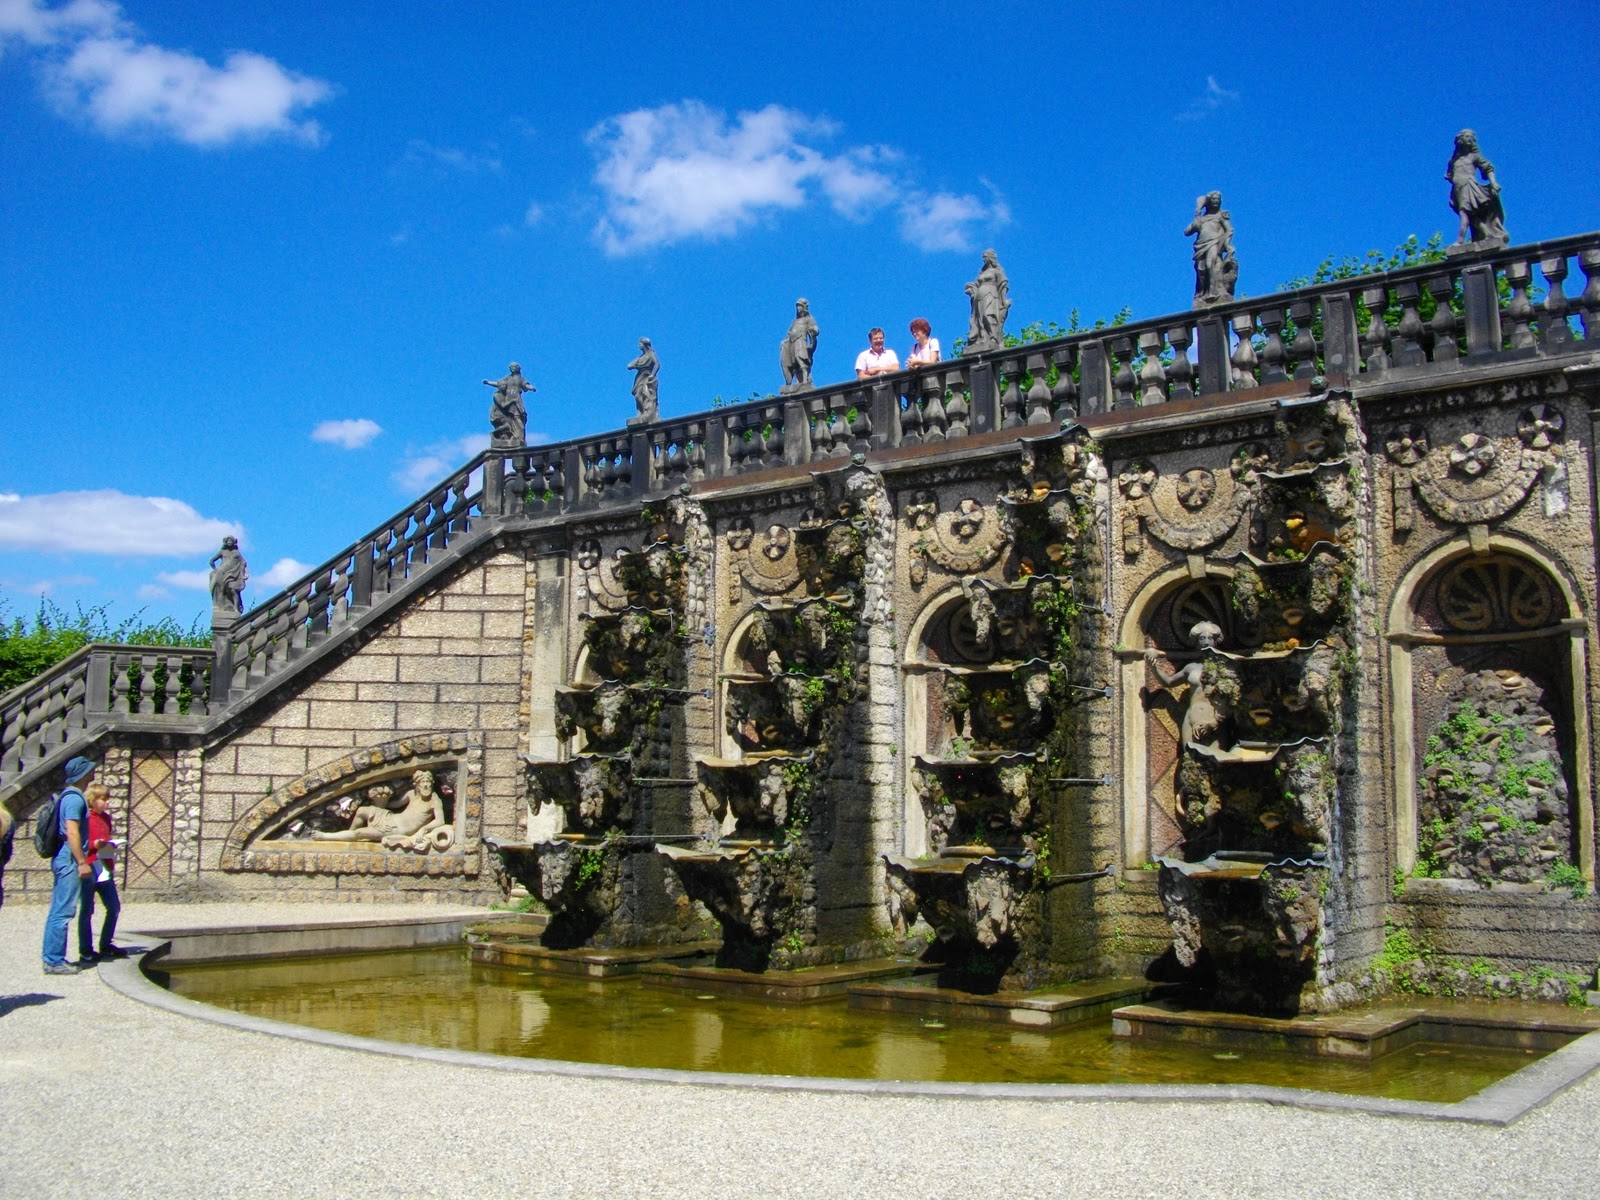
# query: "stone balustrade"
[270,637]
[46,718]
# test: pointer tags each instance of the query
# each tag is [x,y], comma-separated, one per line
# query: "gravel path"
[184,1108]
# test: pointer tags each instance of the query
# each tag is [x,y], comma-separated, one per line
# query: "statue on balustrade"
[798,349]
[229,574]
[646,369]
[416,824]
[1216,269]
[1475,195]
[990,294]
[508,417]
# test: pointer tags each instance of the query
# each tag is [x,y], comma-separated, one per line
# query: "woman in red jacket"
[101,881]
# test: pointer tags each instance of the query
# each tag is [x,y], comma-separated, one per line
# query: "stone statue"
[991,301]
[1475,195]
[646,369]
[798,349]
[1215,268]
[229,574]
[508,418]
[1200,720]
[415,824]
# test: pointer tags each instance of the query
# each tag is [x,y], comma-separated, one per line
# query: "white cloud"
[685,171]
[351,434]
[419,151]
[943,221]
[96,66]
[424,468]
[193,581]
[150,591]
[432,465]
[534,215]
[30,21]
[1207,102]
[281,574]
[122,85]
[109,522]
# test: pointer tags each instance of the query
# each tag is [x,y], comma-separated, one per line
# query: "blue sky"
[256,257]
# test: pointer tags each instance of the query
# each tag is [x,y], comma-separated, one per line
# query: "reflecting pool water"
[438,998]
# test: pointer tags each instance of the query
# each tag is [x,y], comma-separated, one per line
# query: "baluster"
[1304,348]
[169,690]
[1064,395]
[1242,362]
[1443,326]
[1153,375]
[935,419]
[1553,325]
[1375,338]
[624,464]
[696,450]
[1408,351]
[956,409]
[1519,311]
[10,739]
[147,684]
[1180,372]
[1039,391]
[861,427]
[120,685]
[1589,300]
[1011,398]
[1273,353]
[911,413]
[772,434]
[1122,382]
[821,433]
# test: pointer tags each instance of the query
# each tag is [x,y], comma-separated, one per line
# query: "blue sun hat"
[78,767]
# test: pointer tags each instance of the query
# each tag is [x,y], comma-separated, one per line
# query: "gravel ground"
[176,1107]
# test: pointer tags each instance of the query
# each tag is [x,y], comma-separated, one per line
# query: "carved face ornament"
[1540,426]
[776,543]
[739,536]
[923,508]
[1196,486]
[1137,481]
[967,520]
[1473,454]
[1408,446]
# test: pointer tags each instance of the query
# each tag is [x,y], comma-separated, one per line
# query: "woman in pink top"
[927,348]
[101,881]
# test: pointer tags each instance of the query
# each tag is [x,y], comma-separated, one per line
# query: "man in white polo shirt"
[875,360]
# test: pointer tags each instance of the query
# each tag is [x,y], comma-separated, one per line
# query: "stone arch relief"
[287,832]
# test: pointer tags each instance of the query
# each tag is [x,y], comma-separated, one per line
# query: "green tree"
[30,647]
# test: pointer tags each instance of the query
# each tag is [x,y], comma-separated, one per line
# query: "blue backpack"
[48,835]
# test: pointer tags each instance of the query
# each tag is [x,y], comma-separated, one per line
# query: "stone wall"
[452,662]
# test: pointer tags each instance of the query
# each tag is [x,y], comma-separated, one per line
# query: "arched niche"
[1161,615]
[939,636]
[1503,604]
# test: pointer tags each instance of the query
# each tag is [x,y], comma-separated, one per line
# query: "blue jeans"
[63,903]
[107,891]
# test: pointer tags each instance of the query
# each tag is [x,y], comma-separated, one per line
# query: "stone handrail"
[51,716]
[265,640]
[1363,329]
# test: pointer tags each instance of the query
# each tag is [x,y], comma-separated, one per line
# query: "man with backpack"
[59,835]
